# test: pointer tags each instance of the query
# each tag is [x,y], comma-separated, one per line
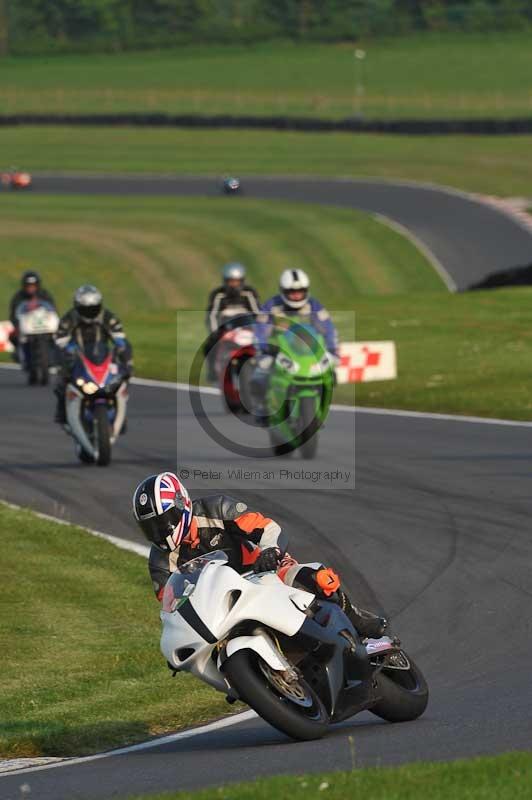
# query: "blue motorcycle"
[96,402]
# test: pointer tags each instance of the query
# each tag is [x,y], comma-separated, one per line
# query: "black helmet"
[30,278]
[88,302]
[163,510]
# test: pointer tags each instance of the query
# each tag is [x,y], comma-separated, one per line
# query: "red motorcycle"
[234,352]
[16,179]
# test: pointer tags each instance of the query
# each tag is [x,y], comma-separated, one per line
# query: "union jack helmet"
[163,510]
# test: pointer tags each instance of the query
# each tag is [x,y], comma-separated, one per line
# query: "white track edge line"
[390,412]
[123,544]
[421,246]
[169,739]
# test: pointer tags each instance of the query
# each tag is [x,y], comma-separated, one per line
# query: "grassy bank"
[155,258]
[507,777]
[153,254]
[499,165]
[77,675]
[423,75]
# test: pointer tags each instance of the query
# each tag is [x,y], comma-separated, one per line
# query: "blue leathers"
[312,312]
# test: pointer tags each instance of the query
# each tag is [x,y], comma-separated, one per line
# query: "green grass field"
[507,777]
[79,630]
[500,165]
[424,75]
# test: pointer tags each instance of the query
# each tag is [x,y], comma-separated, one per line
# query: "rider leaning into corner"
[181,529]
[30,289]
[232,299]
[295,302]
[86,325]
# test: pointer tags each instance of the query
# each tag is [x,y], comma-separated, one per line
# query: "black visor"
[89,312]
[157,528]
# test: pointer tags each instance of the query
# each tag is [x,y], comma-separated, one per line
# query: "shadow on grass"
[22,739]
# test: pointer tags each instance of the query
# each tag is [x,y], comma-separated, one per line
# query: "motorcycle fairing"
[346,670]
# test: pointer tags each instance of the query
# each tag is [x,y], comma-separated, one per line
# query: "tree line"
[77,25]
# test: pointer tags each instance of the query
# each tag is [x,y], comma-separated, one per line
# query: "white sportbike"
[37,322]
[295,658]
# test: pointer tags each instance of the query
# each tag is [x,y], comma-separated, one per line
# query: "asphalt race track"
[435,532]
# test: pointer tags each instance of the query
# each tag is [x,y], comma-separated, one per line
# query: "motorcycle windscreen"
[304,340]
[181,584]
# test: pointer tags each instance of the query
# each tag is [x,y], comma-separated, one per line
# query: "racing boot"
[369,625]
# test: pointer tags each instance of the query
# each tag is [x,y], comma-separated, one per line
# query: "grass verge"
[77,675]
[500,165]
[423,75]
[507,777]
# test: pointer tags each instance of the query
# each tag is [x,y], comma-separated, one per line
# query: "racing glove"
[268,560]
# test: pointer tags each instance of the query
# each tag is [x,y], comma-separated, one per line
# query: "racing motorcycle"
[296,659]
[234,350]
[231,185]
[96,403]
[37,321]
[15,179]
[300,388]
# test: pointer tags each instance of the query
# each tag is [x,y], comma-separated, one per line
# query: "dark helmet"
[30,278]
[163,510]
[88,302]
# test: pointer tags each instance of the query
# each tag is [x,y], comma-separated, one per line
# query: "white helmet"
[294,285]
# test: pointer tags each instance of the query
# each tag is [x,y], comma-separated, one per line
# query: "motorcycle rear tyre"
[404,695]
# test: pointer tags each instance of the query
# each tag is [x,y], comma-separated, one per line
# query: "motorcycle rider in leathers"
[180,529]
[295,303]
[234,298]
[30,289]
[83,327]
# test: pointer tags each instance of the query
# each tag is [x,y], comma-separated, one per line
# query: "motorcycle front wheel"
[38,361]
[102,435]
[292,707]
[310,425]
[403,693]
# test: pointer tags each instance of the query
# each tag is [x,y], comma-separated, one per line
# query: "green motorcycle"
[300,388]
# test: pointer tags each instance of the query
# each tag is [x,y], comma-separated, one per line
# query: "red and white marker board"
[366,361]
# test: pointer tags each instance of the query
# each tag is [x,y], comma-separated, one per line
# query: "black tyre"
[281,448]
[102,435]
[404,694]
[44,360]
[310,425]
[38,361]
[301,717]
[83,456]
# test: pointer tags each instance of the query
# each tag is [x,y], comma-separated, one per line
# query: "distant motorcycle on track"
[36,322]
[296,659]
[96,403]
[16,179]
